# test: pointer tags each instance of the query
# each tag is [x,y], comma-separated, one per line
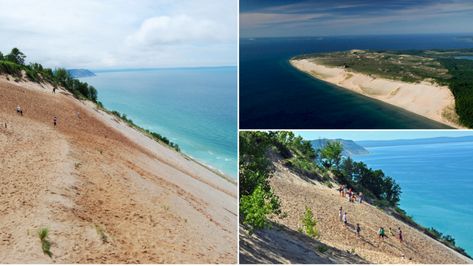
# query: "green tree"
[331,154]
[1,56]
[16,56]
[392,191]
[256,207]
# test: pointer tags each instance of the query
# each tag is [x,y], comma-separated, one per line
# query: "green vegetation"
[322,248]
[461,84]
[101,232]
[45,243]
[309,223]
[257,200]
[157,137]
[14,64]
[444,67]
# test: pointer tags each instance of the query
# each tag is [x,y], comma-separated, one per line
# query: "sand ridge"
[425,98]
[296,193]
[107,193]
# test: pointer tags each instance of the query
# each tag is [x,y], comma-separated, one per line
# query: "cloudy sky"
[121,33]
[280,18]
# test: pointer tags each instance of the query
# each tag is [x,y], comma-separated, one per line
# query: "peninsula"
[431,83]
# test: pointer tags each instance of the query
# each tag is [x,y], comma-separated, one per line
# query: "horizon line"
[359,35]
[123,69]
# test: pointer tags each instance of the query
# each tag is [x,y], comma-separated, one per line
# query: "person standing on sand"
[340,214]
[345,219]
[358,230]
[360,197]
[55,121]
[400,234]
[54,89]
[381,233]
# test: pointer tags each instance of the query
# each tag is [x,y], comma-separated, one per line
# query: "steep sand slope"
[297,193]
[106,192]
[282,245]
[426,99]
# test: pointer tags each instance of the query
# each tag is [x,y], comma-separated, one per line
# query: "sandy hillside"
[426,99]
[297,193]
[107,193]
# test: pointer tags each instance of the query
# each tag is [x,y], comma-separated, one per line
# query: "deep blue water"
[436,182]
[195,108]
[274,95]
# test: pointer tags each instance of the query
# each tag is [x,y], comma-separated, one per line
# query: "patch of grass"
[101,233]
[43,234]
[322,248]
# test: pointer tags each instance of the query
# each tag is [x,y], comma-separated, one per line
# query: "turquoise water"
[436,182]
[193,107]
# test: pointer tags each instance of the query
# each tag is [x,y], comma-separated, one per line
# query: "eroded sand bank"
[426,98]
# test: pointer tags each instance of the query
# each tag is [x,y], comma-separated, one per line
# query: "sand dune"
[426,99]
[107,193]
[296,193]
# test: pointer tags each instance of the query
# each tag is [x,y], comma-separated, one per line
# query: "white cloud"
[178,29]
[120,33]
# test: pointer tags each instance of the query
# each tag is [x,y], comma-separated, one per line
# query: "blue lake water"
[193,107]
[436,182]
[274,95]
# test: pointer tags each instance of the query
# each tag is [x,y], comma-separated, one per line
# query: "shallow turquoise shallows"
[193,107]
[436,182]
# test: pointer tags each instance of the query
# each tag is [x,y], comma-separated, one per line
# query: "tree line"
[14,64]
[258,201]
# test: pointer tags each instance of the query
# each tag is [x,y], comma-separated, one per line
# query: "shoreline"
[426,99]
[104,179]
[219,155]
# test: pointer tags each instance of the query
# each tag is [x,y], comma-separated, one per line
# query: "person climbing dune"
[381,233]
[55,121]
[345,219]
[358,230]
[340,214]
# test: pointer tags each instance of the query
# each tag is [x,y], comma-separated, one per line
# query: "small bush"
[322,248]
[256,207]
[309,223]
[101,233]
[45,243]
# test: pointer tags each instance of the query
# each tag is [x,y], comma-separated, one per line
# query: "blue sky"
[280,18]
[121,33]
[381,134]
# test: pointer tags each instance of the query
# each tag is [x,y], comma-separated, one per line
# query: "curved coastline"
[426,99]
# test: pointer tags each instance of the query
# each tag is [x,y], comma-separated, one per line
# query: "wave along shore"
[425,98]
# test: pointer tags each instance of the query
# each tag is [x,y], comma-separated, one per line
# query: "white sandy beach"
[426,98]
